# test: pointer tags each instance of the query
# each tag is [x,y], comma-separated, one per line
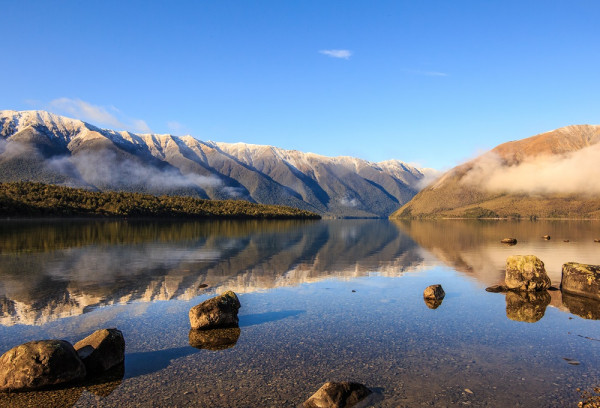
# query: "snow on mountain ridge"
[73,152]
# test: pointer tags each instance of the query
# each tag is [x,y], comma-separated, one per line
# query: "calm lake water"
[321,300]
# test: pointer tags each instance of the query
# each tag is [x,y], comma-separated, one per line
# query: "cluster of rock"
[43,363]
[526,285]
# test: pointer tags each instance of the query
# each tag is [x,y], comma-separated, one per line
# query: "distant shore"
[38,200]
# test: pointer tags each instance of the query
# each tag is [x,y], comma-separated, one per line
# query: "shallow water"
[321,300]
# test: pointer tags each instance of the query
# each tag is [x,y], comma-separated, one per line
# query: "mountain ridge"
[41,146]
[551,174]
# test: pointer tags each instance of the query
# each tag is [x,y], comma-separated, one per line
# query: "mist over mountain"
[40,146]
[553,174]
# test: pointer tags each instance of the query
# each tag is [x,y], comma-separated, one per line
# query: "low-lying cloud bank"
[573,173]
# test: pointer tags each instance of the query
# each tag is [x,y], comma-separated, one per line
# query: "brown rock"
[546,237]
[526,306]
[220,311]
[337,395]
[496,288]
[214,339]
[510,241]
[434,292]
[581,279]
[101,350]
[38,364]
[526,272]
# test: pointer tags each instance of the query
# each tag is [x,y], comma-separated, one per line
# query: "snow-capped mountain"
[41,146]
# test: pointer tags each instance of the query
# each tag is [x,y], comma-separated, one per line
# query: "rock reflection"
[433,303]
[214,339]
[526,306]
[581,306]
[474,248]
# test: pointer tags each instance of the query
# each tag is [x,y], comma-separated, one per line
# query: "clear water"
[321,301]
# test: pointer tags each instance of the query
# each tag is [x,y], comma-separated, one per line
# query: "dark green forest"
[27,199]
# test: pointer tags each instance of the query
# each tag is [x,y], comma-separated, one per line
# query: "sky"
[431,83]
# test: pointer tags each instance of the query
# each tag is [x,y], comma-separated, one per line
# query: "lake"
[321,300]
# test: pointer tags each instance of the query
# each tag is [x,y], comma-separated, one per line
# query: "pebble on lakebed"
[337,395]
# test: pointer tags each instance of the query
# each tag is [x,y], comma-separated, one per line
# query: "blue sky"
[431,82]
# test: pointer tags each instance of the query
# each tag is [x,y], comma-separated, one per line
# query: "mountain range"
[44,147]
[553,174]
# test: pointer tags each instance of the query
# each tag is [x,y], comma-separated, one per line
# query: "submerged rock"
[527,307]
[526,272]
[496,288]
[510,241]
[546,237]
[39,364]
[337,395]
[434,292]
[214,339]
[220,311]
[581,279]
[101,350]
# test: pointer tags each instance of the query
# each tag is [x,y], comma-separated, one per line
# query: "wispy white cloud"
[342,54]
[98,115]
[426,73]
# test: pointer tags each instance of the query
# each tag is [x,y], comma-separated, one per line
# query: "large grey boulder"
[337,395]
[220,311]
[526,273]
[581,279]
[39,364]
[101,350]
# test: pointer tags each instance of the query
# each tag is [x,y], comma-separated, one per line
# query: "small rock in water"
[597,240]
[434,292]
[101,350]
[510,241]
[353,290]
[496,288]
[566,240]
[220,311]
[39,364]
[337,395]
[546,237]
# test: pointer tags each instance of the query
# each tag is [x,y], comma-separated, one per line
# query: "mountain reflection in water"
[57,269]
